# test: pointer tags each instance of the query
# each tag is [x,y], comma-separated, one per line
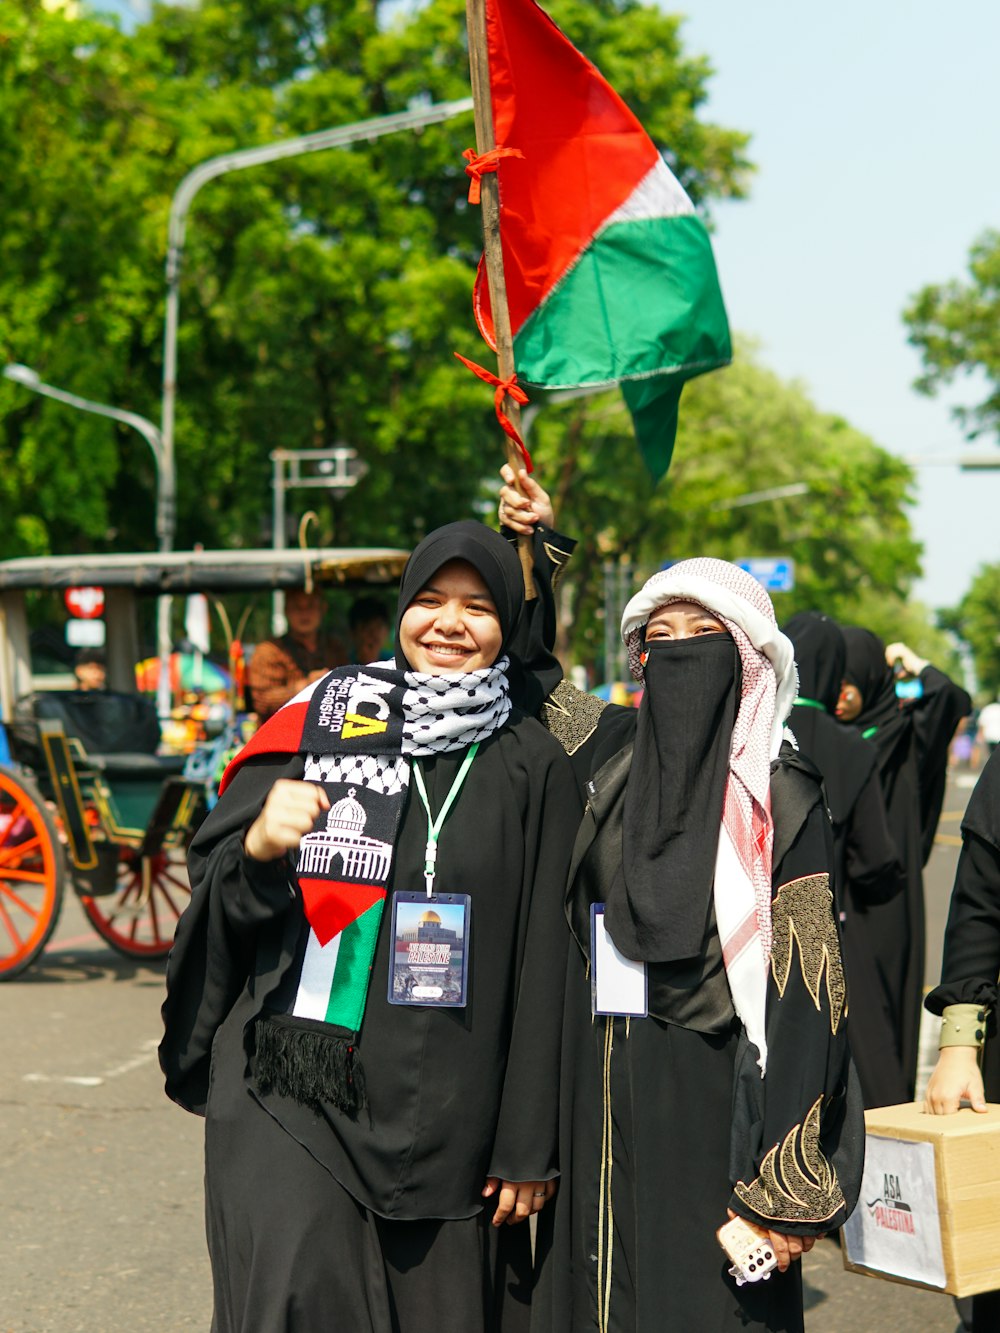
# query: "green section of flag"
[642,299]
[654,405]
[354,964]
[641,306]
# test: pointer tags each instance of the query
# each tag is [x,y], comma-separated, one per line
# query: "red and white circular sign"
[85,603]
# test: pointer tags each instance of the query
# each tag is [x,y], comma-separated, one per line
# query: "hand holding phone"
[749,1248]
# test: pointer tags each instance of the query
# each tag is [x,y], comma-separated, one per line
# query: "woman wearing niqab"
[357,1150]
[706,839]
[911,754]
[866,864]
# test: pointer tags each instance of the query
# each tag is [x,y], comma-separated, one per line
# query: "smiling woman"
[372,974]
[452,624]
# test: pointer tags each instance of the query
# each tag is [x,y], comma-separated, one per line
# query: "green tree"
[321,297]
[977,620]
[742,431]
[956,328]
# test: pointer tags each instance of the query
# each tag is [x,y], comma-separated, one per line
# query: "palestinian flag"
[609,270]
[343,926]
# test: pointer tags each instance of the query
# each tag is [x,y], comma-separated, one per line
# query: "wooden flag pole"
[479,70]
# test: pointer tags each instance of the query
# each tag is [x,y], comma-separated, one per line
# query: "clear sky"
[876,133]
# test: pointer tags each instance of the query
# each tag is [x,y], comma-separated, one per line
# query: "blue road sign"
[776,573]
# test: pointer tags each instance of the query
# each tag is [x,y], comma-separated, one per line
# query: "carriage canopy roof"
[205,571]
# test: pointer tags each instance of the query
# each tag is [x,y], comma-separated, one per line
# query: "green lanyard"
[868,733]
[434,826]
[810,703]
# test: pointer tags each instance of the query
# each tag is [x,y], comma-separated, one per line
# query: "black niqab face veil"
[658,910]
[493,559]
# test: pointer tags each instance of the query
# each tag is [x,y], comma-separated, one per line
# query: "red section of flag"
[280,734]
[584,154]
[331,904]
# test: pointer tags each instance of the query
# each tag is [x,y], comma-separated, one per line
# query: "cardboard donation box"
[929,1211]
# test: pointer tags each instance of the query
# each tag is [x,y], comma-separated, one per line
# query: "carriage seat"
[119,732]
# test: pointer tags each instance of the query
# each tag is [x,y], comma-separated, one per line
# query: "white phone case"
[750,1250]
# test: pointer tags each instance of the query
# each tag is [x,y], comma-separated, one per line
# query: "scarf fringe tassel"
[314,1068]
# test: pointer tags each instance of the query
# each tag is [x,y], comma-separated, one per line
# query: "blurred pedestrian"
[281,667]
[868,870]
[989,725]
[967,995]
[911,751]
[358,1149]
[90,667]
[368,625]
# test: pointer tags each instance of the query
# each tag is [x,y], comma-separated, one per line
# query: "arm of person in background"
[967,995]
[274,678]
[936,714]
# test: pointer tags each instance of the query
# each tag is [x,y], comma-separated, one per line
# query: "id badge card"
[430,949]
[618,986]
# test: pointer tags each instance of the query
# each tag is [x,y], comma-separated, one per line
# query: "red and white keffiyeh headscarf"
[742,891]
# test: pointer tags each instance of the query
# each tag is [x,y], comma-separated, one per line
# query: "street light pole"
[165,487]
[340,137]
[166,490]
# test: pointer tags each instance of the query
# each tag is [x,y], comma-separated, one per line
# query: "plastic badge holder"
[429,965]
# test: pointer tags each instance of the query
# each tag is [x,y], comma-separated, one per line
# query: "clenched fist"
[289,813]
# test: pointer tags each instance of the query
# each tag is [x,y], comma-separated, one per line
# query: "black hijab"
[881,721]
[658,910]
[840,754]
[821,657]
[486,551]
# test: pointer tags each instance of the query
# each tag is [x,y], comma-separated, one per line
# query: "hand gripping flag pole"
[482,172]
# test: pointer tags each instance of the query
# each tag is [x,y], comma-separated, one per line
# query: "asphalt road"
[101,1177]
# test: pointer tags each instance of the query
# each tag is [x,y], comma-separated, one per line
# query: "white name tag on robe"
[618,985]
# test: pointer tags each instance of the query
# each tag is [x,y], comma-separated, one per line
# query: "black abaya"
[867,866]
[454,1095]
[910,771]
[676,1116]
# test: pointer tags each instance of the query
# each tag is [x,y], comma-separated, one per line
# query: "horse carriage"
[86,795]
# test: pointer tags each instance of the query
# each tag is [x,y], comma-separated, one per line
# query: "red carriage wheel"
[32,876]
[139,918]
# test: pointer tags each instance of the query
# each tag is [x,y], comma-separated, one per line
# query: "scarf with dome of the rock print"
[358,728]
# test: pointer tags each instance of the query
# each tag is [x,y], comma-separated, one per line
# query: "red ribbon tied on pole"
[503,389]
[481,163]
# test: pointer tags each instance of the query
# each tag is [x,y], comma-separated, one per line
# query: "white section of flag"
[658,195]
[316,981]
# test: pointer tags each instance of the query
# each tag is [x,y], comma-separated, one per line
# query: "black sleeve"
[798,1133]
[532,649]
[971,961]
[873,868]
[214,947]
[935,717]
[525,1146]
